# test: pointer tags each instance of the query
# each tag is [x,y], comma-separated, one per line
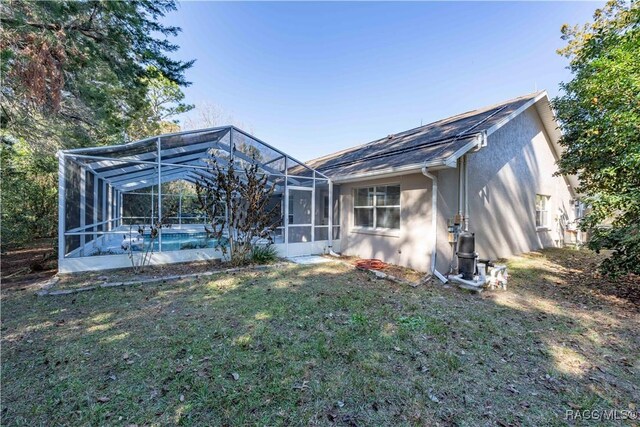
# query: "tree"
[239,204]
[164,101]
[74,73]
[29,190]
[599,114]
[206,115]
[209,115]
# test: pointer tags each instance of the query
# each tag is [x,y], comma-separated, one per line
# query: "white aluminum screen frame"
[138,165]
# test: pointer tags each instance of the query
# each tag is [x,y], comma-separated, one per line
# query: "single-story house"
[492,168]
[402,198]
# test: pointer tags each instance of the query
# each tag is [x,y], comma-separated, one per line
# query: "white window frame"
[375,228]
[543,210]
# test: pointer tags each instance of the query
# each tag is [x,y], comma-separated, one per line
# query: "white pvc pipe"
[460,189]
[466,195]
[434,222]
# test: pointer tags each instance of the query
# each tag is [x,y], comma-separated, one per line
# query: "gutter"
[390,172]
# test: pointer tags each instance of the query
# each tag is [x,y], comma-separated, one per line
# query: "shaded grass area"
[321,344]
[33,262]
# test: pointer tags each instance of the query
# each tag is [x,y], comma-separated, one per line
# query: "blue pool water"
[180,241]
[117,244]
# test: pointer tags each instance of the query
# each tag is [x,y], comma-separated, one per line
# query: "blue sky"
[313,78]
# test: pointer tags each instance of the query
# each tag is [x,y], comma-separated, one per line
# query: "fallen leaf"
[340,403]
[103,399]
[125,356]
[182,398]
[235,376]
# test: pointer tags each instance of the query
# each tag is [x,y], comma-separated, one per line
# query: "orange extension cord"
[370,264]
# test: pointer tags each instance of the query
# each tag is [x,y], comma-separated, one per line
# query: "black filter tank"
[466,255]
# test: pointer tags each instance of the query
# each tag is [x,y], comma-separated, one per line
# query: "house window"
[377,207]
[542,211]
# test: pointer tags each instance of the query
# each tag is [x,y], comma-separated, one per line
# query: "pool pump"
[472,273]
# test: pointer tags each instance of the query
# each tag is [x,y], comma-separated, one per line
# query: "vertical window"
[377,207]
[542,211]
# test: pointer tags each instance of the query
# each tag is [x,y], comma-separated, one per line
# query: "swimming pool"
[181,241]
[112,244]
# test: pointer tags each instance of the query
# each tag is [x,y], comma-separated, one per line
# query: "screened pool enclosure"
[111,196]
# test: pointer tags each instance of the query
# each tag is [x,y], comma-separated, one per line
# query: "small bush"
[264,254]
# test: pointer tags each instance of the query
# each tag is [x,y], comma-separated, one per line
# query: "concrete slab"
[310,259]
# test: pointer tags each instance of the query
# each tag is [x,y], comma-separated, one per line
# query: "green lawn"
[326,345]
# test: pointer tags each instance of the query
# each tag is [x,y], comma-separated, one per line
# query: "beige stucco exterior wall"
[504,178]
[411,245]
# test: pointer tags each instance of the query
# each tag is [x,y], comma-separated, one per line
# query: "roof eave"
[387,173]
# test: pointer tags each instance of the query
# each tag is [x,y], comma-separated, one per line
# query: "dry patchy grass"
[322,345]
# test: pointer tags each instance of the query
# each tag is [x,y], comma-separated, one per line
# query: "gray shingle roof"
[431,142]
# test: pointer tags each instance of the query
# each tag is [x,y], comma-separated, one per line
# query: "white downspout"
[434,222]
[466,195]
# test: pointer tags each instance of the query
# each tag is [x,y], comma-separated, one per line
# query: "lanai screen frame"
[121,169]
